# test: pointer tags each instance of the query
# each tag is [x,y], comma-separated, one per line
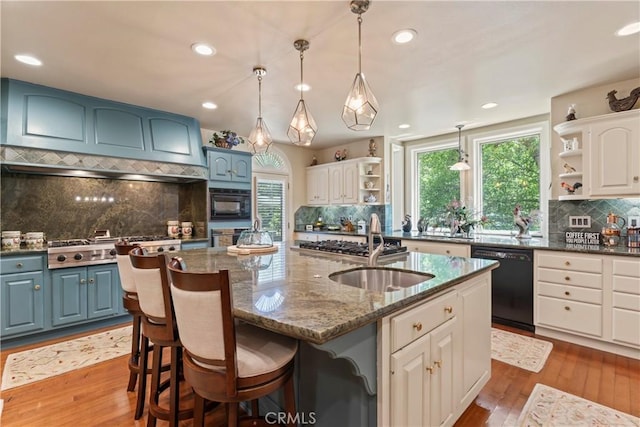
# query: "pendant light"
[462,164]
[361,106]
[302,128]
[260,137]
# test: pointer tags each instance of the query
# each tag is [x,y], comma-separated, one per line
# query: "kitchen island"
[366,357]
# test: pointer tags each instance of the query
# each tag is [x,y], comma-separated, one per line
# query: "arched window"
[270,192]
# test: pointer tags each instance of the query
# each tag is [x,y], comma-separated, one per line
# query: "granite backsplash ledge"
[560,211]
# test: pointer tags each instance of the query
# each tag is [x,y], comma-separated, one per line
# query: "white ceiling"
[516,53]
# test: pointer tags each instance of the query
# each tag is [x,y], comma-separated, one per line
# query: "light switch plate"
[580,221]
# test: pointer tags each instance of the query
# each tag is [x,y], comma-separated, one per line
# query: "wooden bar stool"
[158,324]
[132,305]
[225,362]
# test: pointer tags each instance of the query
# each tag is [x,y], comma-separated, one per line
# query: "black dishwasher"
[511,285]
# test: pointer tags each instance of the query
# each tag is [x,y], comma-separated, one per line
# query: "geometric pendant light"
[260,137]
[462,164]
[361,106]
[302,128]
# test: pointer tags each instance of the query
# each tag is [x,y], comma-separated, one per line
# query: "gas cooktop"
[353,250]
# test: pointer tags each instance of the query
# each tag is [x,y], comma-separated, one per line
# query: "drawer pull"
[448,251]
[438,363]
[36,287]
[566,307]
[567,263]
[91,280]
[19,265]
[430,369]
[417,326]
[448,309]
[567,278]
[567,293]
[83,281]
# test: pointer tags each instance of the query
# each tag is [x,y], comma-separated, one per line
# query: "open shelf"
[571,153]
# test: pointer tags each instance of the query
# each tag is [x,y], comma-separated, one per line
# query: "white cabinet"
[435,357]
[625,310]
[343,183]
[317,185]
[614,157]
[606,162]
[451,249]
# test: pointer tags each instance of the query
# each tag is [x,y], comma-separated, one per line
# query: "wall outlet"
[580,221]
[633,221]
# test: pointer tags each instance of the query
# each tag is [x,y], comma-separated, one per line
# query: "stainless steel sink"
[380,279]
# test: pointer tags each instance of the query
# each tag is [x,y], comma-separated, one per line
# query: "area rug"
[518,350]
[550,407]
[45,362]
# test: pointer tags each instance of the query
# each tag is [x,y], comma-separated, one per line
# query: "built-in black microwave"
[228,204]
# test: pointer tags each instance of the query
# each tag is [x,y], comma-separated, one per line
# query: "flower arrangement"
[461,219]
[226,139]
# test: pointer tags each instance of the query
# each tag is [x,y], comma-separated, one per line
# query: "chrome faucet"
[375,229]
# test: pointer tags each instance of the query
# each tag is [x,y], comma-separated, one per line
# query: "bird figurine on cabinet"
[623,104]
[571,188]
[568,168]
[523,223]
[571,113]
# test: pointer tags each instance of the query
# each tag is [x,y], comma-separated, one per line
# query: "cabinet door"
[240,168]
[219,166]
[318,186]
[103,291]
[613,158]
[22,303]
[350,183]
[69,295]
[410,384]
[444,358]
[336,186]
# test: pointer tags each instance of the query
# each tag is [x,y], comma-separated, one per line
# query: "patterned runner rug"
[549,407]
[518,350]
[45,362]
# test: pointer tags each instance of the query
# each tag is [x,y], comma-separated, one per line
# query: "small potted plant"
[226,139]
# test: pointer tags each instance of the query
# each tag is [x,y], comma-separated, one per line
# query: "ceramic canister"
[187,230]
[34,239]
[10,239]
[173,228]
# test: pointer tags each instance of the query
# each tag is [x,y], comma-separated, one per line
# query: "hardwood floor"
[97,396]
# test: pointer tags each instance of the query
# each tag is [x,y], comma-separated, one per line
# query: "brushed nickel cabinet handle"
[83,281]
[36,287]
[417,326]
[19,265]
[91,280]
[448,309]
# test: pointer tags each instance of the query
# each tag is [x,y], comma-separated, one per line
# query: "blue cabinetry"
[22,293]
[84,293]
[228,166]
[46,118]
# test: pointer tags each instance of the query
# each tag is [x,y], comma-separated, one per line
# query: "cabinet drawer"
[21,264]
[451,249]
[573,293]
[630,285]
[625,326]
[573,278]
[418,321]
[570,315]
[627,268]
[570,262]
[628,301]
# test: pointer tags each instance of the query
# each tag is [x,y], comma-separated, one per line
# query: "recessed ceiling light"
[627,30]
[404,126]
[203,49]
[489,105]
[302,86]
[404,36]
[28,59]
[209,105]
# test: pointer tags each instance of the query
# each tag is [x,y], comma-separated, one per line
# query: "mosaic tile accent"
[559,212]
[32,156]
[332,214]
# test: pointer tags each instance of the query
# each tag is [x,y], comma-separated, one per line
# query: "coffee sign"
[582,238]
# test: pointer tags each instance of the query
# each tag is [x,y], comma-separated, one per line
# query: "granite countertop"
[499,241]
[294,296]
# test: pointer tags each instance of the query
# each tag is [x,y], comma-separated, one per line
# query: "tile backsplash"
[560,211]
[71,208]
[331,214]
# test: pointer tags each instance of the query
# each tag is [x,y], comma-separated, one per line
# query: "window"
[505,171]
[270,206]
[437,185]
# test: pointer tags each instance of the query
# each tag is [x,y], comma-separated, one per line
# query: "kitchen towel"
[45,362]
[519,350]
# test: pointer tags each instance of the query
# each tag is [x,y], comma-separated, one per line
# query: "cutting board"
[234,250]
